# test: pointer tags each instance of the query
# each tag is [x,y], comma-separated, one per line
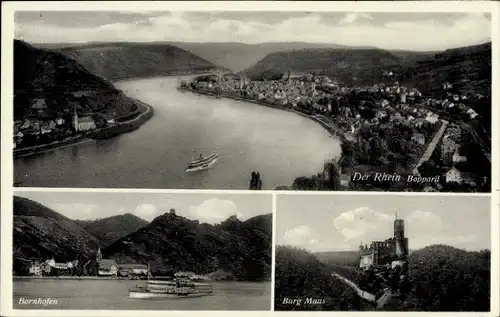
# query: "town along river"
[280,145]
[113,294]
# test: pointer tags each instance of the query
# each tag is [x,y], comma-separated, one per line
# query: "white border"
[8,9]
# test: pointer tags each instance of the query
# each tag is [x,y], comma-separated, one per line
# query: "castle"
[392,251]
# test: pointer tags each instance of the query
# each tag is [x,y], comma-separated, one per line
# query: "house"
[457,158]
[39,104]
[448,146]
[453,176]
[107,267]
[132,269]
[447,86]
[472,114]
[419,138]
[381,114]
[35,269]
[85,124]
[433,118]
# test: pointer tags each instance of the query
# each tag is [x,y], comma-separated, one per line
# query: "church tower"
[399,237]
[98,257]
[75,118]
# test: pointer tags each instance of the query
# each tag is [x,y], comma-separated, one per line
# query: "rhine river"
[280,145]
[113,295]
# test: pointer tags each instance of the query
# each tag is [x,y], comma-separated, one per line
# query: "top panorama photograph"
[319,101]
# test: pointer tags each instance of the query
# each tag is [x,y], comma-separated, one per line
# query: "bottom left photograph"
[114,250]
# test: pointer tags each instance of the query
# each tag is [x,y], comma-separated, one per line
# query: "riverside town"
[425,142]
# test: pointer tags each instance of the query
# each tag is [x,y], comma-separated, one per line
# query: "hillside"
[440,278]
[240,56]
[347,65]
[468,69]
[40,233]
[343,258]
[55,78]
[299,274]
[173,243]
[110,229]
[448,279]
[118,61]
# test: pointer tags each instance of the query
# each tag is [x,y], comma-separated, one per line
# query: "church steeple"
[99,255]
[75,118]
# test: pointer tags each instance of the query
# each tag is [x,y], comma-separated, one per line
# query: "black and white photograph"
[383,253]
[298,100]
[141,251]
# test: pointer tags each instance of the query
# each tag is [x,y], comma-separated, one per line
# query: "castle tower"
[172,211]
[98,257]
[399,228]
[289,76]
[75,118]
[399,237]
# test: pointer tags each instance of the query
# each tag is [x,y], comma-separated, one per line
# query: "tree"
[255,181]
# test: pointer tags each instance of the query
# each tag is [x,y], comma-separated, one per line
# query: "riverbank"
[38,149]
[144,113]
[201,72]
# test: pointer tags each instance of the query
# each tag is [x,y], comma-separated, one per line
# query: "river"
[280,145]
[113,295]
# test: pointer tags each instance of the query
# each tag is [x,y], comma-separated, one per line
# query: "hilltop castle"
[392,251]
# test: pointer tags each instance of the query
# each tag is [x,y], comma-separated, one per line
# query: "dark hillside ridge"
[41,233]
[468,69]
[119,61]
[173,243]
[59,81]
[349,66]
[110,229]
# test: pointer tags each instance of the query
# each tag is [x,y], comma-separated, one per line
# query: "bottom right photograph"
[383,253]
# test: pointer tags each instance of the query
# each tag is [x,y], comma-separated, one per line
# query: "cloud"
[356,17]
[214,211]
[430,33]
[79,211]
[305,237]
[146,211]
[363,224]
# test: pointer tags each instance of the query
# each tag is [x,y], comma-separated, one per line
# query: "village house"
[453,176]
[457,158]
[85,124]
[448,148]
[132,269]
[419,138]
[35,269]
[107,267]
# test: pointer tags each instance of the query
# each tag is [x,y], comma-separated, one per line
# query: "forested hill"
[441,278]
[347,65]
[468,69]
[110,229]
[55,78]
[174,243]
[41,233]
[117,61]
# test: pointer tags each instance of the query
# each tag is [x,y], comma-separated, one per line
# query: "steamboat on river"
[202,163]
[180,287]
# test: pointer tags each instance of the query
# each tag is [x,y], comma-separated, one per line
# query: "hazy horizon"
[390,31]
[341,223]
[208,208]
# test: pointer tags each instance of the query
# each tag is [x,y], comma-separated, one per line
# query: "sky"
[341,223]
[209,208]
[405,31]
